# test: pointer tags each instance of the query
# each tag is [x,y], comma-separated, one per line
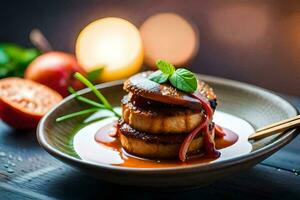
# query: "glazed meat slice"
[155,146]
[140,85]
[158,118]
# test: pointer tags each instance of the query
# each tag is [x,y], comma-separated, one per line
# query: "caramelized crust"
[154,146]
[157,118]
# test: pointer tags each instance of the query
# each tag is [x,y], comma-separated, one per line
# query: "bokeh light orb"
[112,43]
[170,37]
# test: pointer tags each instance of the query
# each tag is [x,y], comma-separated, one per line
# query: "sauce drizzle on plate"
[107,136]
[98,143]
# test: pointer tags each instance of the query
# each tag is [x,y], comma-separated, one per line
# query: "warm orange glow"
[113,43]
[170,37]
[288,44]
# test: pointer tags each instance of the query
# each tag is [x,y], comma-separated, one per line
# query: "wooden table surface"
[28,172]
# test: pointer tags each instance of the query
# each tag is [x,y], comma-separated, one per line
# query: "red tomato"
[55,70]
[23,102]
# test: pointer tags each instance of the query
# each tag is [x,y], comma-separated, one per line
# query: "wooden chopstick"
[279,123]
[276,128]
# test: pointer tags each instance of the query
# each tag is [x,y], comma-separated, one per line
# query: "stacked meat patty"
[156,118]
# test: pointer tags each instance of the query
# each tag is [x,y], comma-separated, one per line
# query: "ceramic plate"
[252,104]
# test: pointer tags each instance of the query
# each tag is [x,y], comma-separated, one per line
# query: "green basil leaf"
[94,74]
[158,77]
[28,55]
[184,80]
[165,67]
[3,72]
[14,59]
[3,57]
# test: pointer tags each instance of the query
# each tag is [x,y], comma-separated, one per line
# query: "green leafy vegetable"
[84,99]
[104,104]
[76,114]
[14,59]
[181,79]
[86,82]
[184,80]
[93,75]
[158,77]
[166,67]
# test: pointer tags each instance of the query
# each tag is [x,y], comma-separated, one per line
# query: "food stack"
[158,118]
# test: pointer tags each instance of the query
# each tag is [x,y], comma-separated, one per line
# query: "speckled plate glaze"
[257,106]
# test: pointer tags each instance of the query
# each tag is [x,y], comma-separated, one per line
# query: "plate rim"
[276,145]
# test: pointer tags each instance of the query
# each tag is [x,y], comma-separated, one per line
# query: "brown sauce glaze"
[106,136]
[140,85]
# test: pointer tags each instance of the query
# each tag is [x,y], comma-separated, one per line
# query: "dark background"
[252,41]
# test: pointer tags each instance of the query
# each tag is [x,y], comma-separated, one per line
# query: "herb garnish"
[14,59]
[96,106]
[181,78]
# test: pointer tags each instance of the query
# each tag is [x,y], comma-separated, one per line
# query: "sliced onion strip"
[219,131]
[187,141]
[203,125]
